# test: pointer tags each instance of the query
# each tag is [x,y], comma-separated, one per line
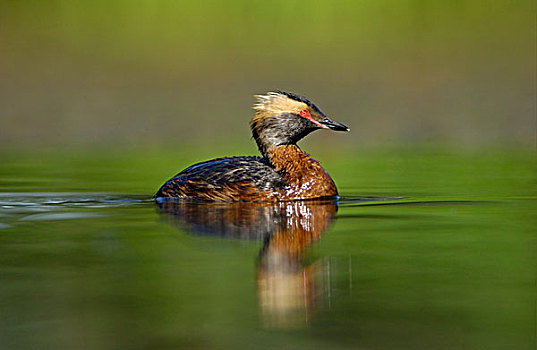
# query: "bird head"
[284,118]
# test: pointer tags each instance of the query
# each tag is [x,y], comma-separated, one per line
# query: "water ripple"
[38,201]
[60,216]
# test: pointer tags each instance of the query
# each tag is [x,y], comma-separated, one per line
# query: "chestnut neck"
[287,157]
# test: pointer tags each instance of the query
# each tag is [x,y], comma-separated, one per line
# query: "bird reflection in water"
[287,286]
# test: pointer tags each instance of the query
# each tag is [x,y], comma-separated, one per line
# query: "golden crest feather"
[275,102]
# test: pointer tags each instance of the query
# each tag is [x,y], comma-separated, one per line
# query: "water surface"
[447,262]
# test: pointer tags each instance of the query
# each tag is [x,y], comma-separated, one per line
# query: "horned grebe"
[284,172]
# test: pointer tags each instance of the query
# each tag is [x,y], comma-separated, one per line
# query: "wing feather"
[228,179]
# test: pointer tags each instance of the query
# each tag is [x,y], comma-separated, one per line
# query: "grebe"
[284,173]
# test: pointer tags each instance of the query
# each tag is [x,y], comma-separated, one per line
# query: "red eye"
[304,113]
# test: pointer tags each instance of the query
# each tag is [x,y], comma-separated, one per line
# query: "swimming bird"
[283,173]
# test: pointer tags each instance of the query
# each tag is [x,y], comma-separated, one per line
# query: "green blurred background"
[158,74]
[118,96]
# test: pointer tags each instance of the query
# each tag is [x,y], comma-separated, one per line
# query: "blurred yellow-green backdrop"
[85,73]
[433,244]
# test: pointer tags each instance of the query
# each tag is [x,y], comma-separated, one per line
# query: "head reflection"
[287,286]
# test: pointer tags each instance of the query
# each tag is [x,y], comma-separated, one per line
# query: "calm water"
[423,251]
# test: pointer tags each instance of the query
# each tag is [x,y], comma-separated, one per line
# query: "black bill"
[333,125]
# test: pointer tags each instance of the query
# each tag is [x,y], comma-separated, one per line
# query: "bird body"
[284,173]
